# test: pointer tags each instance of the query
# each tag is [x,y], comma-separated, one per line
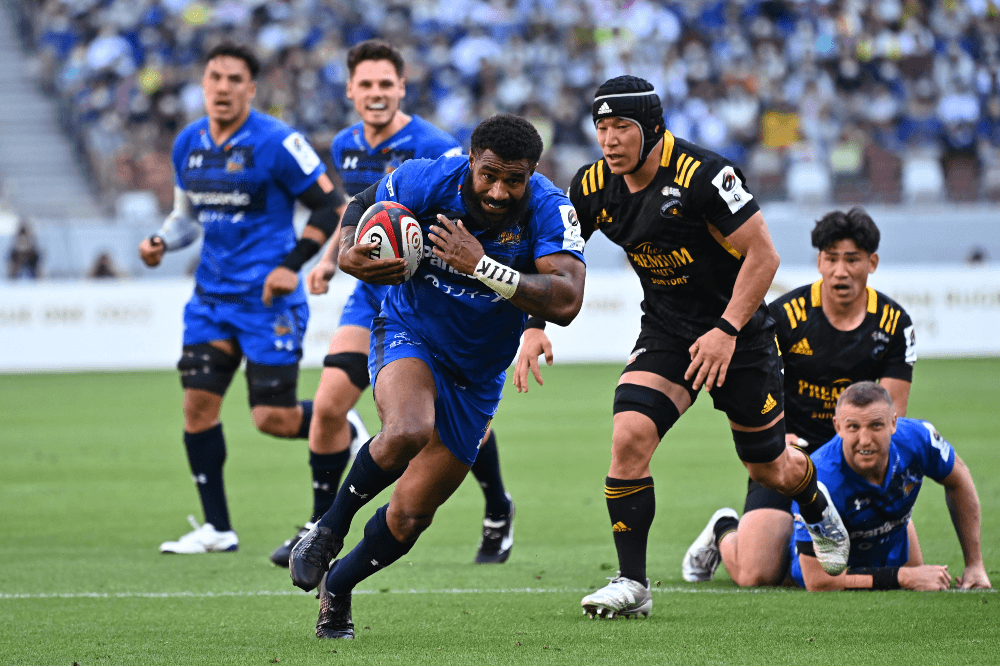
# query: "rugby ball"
[396,232]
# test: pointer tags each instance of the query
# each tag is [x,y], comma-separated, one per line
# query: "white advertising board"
[58,326]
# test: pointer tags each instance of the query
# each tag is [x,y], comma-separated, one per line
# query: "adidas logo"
[620,528]
[769,405]
[604,108]
[802,347]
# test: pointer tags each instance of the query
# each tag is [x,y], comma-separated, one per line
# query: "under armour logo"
[604,108]
[195,161]
[350,162]
[359,495]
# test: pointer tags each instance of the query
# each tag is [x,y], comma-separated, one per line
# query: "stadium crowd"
[853,87]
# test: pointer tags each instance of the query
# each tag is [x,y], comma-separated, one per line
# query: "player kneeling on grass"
[873,469]
[443,341]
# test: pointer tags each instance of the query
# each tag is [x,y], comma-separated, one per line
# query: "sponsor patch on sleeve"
[911,344]
[303,153]
[731,190]
[937,442]
[572,239]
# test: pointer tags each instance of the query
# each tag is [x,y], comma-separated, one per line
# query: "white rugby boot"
[361,435]
[703,557]
[830,538]
[203,539]
[622,597]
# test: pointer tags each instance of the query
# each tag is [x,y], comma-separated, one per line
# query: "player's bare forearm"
[963,505]
[760,263]
[555,293]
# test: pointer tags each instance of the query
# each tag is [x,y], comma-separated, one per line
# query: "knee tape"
[761,446]
[206,367]
[272,385]
[355,364]
[647,401]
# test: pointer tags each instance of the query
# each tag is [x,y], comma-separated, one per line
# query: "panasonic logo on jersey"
[234,198]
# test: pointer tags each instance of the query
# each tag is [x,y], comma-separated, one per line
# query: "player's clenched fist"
[282,281]
[151,251]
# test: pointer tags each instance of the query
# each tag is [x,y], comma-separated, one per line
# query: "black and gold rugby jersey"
[673,232]
[821,361]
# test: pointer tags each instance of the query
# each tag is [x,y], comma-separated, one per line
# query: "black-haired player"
[443,341]
[698,242]
[832,333]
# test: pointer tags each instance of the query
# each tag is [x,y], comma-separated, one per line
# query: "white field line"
[408,591]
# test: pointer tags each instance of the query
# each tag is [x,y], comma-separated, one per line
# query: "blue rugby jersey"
[467,327]
[876,517]
[360,165]
[243,194]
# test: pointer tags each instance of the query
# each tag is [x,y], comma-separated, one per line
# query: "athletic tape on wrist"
[500,278]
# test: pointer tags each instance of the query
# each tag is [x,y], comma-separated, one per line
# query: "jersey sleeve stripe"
[885,316]
[799,311]
[683,171]
[895,321]
[583,183]
[791,315]
[717,235]
[593,182]
[694,168]
[600,174]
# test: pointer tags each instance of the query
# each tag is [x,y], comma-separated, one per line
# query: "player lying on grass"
[443,341]
[832,333]
[874,469]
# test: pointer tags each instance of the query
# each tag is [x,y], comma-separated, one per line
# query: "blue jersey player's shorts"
[363,305]
[462,413]
[897,557]
[271,336]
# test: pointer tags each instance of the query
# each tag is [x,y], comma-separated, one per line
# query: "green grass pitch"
[93,477]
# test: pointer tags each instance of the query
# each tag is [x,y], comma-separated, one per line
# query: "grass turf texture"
[94,477]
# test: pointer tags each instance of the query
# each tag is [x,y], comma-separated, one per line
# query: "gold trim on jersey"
[717,235]
[668,149]
[872,300]
[817,299]
[594,177]
[796,310]
[686,166]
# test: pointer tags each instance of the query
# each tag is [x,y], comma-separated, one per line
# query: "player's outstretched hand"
[974,577]
[356,261]
[535,343]
[710,357]
[280,282]
[151,251]
[925,578]
[456,245]
[318,280]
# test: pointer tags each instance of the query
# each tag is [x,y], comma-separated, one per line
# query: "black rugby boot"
[310,558]
[334,620]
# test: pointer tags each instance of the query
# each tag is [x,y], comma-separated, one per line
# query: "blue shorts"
[363,305]
[271,336]
[462,413]
[897,557]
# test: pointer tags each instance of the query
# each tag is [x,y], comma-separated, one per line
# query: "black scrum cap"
[633,99]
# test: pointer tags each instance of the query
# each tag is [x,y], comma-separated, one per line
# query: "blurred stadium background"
[892,104]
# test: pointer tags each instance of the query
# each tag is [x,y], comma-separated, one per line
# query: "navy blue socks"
[327,470]
[376,550]
[364,481]
[486,470]
[206,452]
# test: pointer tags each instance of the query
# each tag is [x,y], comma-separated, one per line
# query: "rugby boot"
[622,597]
[334,620]
[498,538]
[703,557]
[280,555]
[310,558]
[830,538]
[359,434]
[203,539]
